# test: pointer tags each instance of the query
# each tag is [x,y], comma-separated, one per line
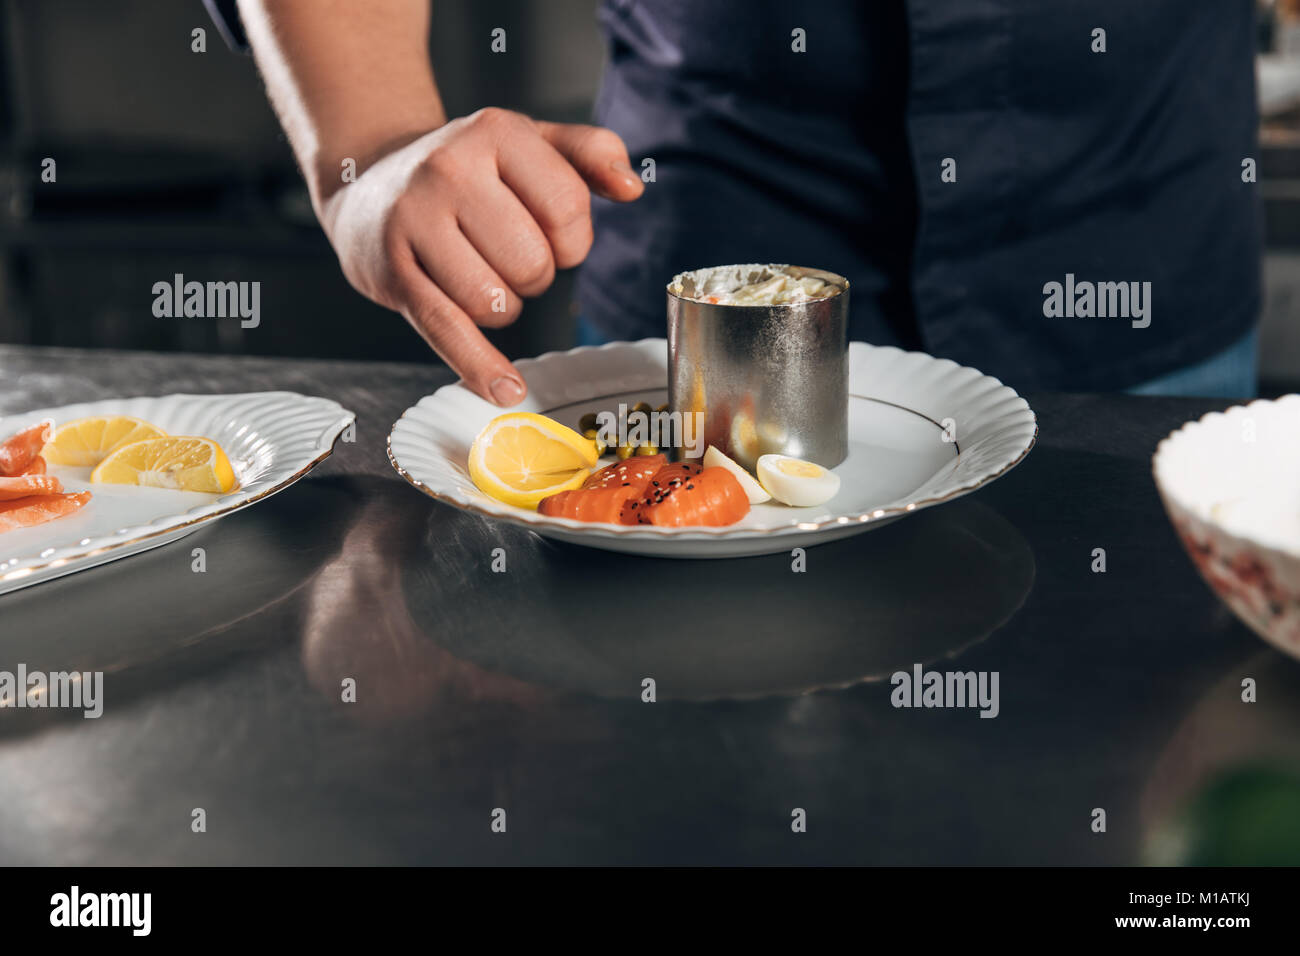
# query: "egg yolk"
[799,469]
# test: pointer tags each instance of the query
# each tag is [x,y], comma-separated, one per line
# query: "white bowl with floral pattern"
[1230,482]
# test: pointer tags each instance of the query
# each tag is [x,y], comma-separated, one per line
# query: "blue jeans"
[588,334]
[1233,373]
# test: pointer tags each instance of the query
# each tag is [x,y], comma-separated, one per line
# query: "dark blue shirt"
[1115,166]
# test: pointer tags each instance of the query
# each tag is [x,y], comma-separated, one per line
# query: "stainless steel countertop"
[522,690]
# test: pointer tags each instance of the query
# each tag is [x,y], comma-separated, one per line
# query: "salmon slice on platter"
[28,484]
[38,509]
[19,451]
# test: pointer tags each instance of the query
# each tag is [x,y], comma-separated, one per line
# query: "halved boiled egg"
[796,482]
[753,490]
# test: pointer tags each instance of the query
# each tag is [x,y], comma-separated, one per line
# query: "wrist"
[333,165]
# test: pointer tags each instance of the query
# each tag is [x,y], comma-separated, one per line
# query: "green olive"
[648,449]
[642,407]
[594,436]
[587,423]
[625,452]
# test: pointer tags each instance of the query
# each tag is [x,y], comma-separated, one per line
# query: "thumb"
[599,156]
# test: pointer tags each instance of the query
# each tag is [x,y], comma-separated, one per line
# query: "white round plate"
[271,438]
[899,458]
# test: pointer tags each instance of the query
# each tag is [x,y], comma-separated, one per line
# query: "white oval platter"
[271,438]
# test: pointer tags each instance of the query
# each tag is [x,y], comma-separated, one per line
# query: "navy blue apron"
[954,159]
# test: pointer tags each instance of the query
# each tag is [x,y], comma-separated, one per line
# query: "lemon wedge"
[521,457]
[177,462]
[88,441]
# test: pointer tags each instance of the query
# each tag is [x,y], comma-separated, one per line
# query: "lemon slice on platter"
[522,457]
[86,442]
[178,462]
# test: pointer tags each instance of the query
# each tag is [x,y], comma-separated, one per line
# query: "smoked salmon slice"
[606,495]
[638,468]
[685,494]
[590,504]
[38,509]
[18,452]
[24,485]
[28,496]
[650,491]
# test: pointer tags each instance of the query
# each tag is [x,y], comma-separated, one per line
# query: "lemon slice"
[177,462]
[522,457]
[88,441]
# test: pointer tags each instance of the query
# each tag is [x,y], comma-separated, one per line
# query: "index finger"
[460,343]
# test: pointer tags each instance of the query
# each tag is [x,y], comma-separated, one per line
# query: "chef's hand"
[455,228]
[449,223]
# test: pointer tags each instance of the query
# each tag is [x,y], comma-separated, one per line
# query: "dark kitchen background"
[171,161]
